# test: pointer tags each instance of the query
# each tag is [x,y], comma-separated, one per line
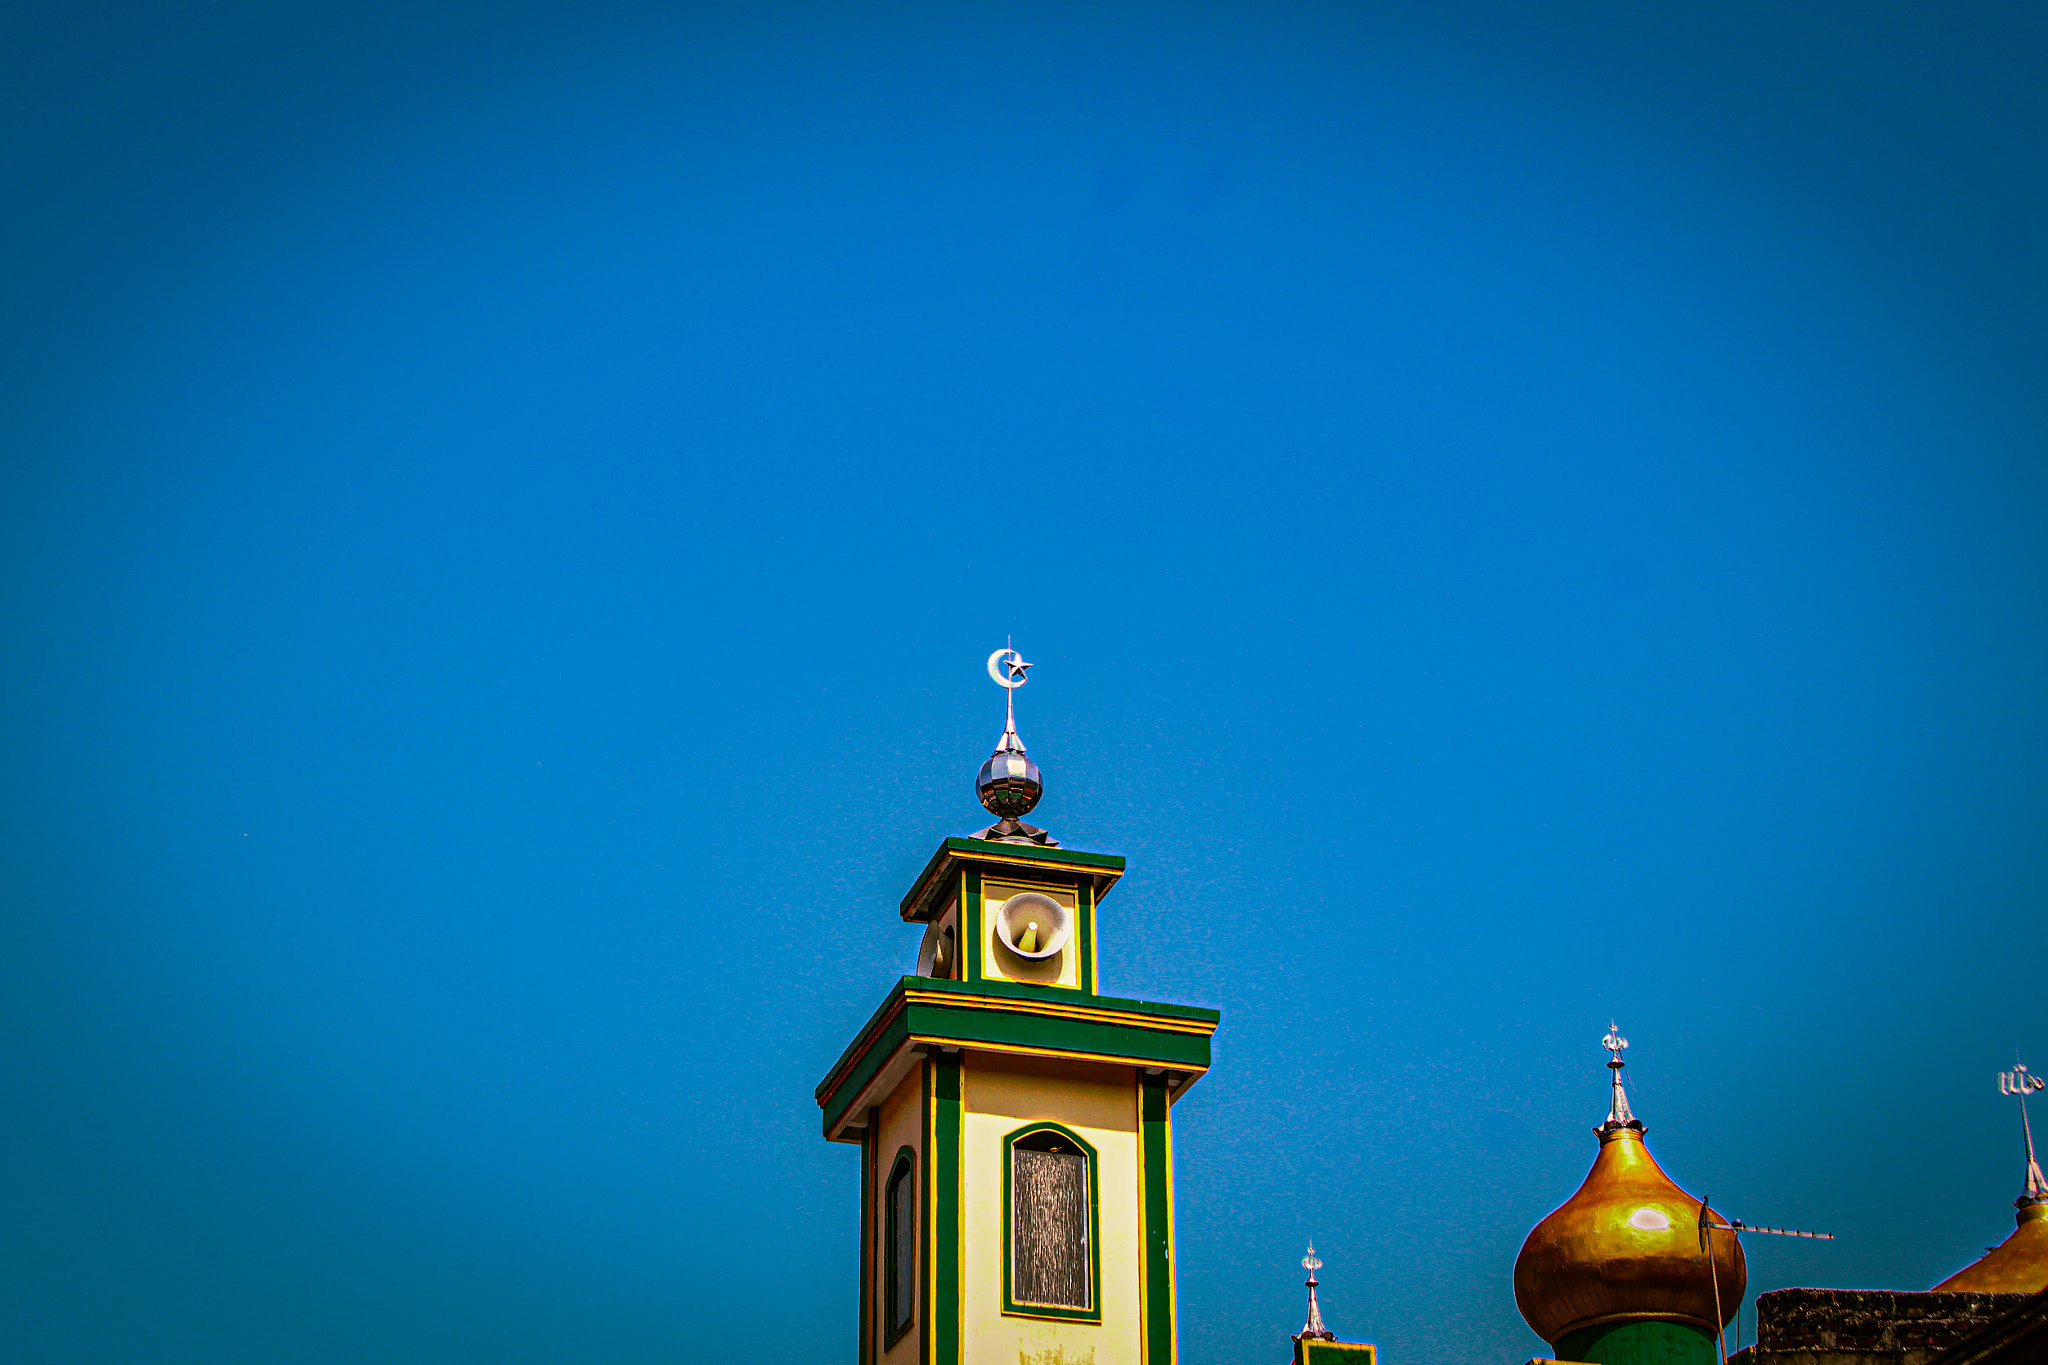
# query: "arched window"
[1050,1224]
[899,1270]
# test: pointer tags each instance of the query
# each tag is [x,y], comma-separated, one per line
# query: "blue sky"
[1524,515]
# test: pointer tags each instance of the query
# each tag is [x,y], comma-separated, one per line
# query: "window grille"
[1049,1222]
[900,1271]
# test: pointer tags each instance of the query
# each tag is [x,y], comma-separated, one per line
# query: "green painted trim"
[975,1012]
[970,924]
[1037,853]
[876,1047]
[925,896]
[1090,1038]
[1017,990]
[1157,1216]
[1334,1353]
[891,1334]
[1092,1313]
[947,1246]
[968,1026]
[1084,914]
[1642,1342]
[866,1354]
[924,1224]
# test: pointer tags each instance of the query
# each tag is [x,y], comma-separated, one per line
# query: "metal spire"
[1008,668]
[1009,783]
[1618,1115]
[1313,1329]
[2021,1082]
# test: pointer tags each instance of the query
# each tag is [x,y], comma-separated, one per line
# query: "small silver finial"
[1313,1329]
[2021,1083]
[1618,1115]
[1614,1043]
[1007,667]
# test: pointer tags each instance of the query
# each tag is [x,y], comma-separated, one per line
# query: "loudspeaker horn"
[1033,925]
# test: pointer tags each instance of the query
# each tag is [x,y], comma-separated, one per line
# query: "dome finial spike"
[1008,668]
[1313,1329]
[1009,784]
[2021,1082]
[1618,1115]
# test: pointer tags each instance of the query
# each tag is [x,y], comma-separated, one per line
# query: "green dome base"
[1638,1343]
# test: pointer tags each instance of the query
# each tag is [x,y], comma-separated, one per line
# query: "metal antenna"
[1737,1225]
[1714,1274]
[1708,1227]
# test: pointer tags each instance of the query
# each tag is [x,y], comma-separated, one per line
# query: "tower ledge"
[928,894]
[924,1013]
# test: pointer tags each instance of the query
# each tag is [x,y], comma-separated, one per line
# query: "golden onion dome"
[1626,1247]
[2018,1265]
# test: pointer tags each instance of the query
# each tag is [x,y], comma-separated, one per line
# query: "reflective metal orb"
[1009,785]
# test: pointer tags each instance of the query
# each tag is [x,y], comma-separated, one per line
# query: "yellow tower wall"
[901,1125]
[1001,1093]
[954,1071]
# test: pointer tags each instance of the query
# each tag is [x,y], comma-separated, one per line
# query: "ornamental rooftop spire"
[1008,783]
[2019,1264]
[1618,1115]
[2022,1083]
[1313,1329]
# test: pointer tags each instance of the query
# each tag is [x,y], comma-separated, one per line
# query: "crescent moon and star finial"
[1007,668]
[1009,784]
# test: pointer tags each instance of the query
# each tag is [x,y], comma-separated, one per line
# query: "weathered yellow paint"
[998,963]
[1057,1356]
[1099,1102]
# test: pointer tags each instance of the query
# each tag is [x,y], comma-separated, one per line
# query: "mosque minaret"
[1015,1128]
[1014,1123]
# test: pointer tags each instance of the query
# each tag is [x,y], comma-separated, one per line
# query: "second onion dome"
[1618,1269]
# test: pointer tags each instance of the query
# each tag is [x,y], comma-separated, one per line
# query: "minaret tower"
[1620,1273]
[2019,1264]
[1014,1123]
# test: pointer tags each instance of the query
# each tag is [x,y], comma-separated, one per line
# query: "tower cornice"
[927,894]
[998,1016]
